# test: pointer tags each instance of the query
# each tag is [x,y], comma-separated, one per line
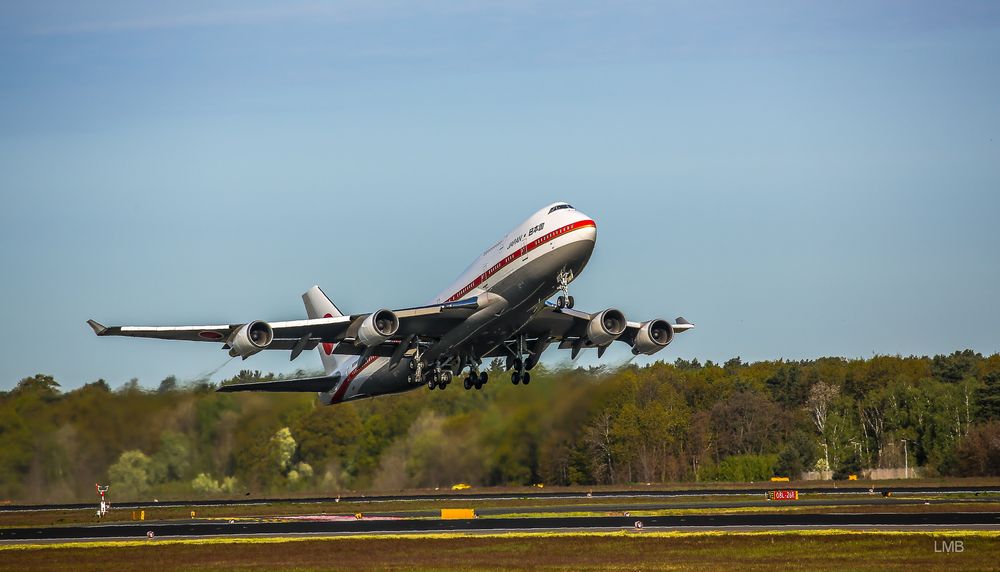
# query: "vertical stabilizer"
[318,305]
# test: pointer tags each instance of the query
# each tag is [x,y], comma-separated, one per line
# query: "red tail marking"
[328,348]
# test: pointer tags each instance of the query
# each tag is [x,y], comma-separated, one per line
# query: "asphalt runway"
[495,495]
[772,521]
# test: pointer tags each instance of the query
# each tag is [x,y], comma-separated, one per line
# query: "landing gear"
[438,378]
[520,376]
[520,373]
[476,379]
[563,279]
[417,368]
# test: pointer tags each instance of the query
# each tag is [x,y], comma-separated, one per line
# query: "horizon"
[547,367]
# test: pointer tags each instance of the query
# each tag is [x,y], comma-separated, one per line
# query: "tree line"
[680,421]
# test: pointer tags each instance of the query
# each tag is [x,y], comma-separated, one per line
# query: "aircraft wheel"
[479,385]
[431,384]
[468,383]
[569,301]
[560,302]
[515,378]
[483,377]
[526,378]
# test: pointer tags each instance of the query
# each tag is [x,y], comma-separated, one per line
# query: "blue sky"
[798,179]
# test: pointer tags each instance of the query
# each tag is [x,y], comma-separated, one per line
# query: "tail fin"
[318,305]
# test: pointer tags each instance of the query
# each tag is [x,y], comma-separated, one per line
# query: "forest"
[663,422]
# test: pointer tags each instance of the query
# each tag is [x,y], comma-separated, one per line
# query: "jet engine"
[250,339]
[652,337]
[605,327]
[377,328]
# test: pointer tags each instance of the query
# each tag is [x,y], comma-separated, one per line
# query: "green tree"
[745,468]
[978,453]
[330,437]
[797,456]
[129,476]
[849,465]
[283,449]
[167,385]
[39,386]
[173,459]
[988,397]
[205,484]
[956,367]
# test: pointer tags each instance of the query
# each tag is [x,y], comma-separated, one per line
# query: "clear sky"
[799,179]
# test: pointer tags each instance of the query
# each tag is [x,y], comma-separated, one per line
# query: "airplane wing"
[569,323]
[298,335]
[305,385]
[569,327]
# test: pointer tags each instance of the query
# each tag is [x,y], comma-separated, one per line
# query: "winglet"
[99,329]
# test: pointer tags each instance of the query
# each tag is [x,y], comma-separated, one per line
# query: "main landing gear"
[563,279]
[439,377]
[520,373]
[476,379]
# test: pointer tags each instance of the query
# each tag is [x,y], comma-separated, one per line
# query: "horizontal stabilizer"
[304,385]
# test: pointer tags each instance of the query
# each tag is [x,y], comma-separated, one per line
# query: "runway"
[498,495]
[914,521]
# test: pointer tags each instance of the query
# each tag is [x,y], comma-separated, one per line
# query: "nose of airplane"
[587,227]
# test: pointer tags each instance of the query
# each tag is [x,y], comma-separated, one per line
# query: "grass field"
[824,550]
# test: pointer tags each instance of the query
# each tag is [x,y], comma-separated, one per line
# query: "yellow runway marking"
[965,534]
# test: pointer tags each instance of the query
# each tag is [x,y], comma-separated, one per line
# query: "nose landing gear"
[563,279]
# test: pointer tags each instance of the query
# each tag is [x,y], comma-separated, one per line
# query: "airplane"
[498,308]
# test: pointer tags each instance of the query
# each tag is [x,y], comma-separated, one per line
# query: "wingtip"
[99,329]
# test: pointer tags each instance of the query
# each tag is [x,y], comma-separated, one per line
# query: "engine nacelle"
[652,337]
[605,327]
[377,328]
[250,339]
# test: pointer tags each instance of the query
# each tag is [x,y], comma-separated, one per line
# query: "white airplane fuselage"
[522,269]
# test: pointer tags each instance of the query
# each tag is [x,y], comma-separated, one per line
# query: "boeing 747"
[498,308]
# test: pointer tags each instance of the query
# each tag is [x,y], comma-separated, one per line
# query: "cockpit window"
[557,207]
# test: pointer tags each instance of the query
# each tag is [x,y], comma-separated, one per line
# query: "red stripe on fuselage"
[350,377]
[519,253]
